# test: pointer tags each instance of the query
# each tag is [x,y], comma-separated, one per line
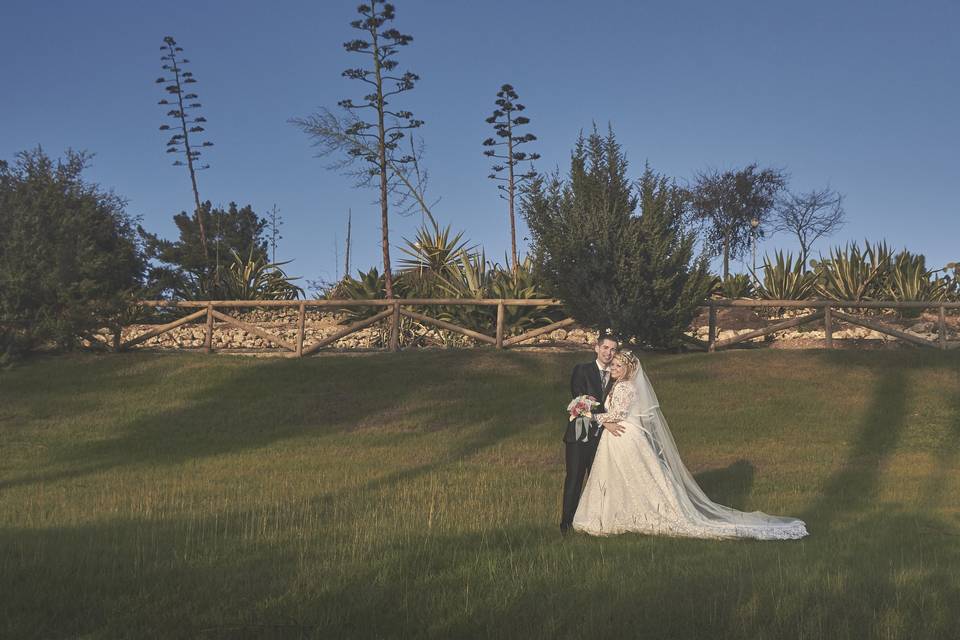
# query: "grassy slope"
[418,495]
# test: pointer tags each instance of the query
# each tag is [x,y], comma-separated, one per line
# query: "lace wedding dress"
[639,484]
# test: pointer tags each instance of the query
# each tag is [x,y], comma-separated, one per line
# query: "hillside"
[417,495]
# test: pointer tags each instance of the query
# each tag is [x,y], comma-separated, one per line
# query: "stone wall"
[320,324]
[317,325]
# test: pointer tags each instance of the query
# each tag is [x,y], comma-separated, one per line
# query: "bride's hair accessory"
[629,361]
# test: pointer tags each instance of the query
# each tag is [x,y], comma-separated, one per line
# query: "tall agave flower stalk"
[187,126]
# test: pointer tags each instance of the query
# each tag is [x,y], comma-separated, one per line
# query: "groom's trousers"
[579,458]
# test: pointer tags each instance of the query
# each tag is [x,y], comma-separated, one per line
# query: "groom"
[591,379]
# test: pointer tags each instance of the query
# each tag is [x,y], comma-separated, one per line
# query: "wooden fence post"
[712,327]
[392,309]
[828,325]
[500,327]
[208,336]
[395,327]
[301,322]
[942,328]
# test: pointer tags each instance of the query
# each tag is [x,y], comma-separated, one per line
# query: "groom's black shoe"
[564,528]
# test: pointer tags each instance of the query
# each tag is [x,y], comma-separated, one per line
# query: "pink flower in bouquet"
[582,406]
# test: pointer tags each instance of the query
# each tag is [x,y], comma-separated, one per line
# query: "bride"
[639,484]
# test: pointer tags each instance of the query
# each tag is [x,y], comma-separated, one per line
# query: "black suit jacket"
[586,381]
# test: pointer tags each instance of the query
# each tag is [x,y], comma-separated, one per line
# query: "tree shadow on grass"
[136,578]
[63,597]
[862,574]
[878,549]
[729,486]
[936,487]
[154,579]
[66,385]
[852,488]
[256,404]
[866,571]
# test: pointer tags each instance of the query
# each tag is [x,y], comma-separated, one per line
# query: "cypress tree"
[617,254]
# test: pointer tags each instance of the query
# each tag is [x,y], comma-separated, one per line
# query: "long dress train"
[638,482]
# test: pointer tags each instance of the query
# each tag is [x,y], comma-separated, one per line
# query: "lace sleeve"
[618,404]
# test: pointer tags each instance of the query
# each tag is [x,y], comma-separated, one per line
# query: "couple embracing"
[635,479]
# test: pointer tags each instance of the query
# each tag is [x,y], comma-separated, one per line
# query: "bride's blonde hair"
[629,362]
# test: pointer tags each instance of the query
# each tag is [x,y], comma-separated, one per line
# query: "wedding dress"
[639,484]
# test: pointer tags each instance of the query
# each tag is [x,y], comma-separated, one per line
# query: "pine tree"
[182,270]
[69,258]
[676,281]
[618,270]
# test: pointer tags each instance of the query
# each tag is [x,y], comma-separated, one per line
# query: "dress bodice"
[618,403]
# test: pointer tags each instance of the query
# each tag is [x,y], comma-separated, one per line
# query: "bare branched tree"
[809,216]
[728,202]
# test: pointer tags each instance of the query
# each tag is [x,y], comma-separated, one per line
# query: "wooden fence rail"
[826,310]
[394,310]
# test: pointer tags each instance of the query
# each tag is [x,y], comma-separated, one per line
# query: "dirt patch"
[732,318]
[820,343]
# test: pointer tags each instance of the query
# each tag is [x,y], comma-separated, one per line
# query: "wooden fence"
[393,310]
[826,310]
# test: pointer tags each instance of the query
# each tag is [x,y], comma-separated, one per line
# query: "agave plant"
[475,278]
[522,285]
[369,286]
[785,280]
[253,278]
[737,285]
[852,274]
[430,256]
[190,285]
[909,280]
[468,278]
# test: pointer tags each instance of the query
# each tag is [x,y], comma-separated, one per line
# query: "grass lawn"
[418,495]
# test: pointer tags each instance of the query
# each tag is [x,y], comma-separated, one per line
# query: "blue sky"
[859,95]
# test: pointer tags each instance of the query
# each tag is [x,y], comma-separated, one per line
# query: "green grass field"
[417,495]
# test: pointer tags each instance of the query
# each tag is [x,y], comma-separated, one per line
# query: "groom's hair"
[603,337]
